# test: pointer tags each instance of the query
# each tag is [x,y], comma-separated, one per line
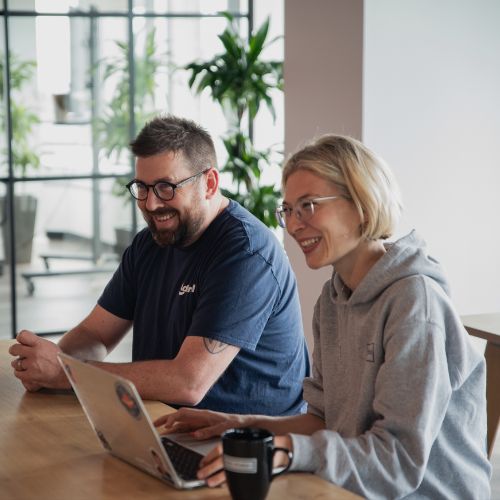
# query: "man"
[207,287]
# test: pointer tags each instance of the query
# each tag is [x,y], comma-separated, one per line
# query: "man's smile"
[164,217]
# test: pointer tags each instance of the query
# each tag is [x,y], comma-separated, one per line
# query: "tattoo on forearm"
[214,346]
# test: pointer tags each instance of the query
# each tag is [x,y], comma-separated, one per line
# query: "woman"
[396,402]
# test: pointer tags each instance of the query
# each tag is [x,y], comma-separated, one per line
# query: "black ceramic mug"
[248,462]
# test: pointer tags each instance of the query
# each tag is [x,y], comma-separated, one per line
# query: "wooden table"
[487,327]
[48,451]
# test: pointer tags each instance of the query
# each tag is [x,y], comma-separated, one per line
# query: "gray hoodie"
[400,387]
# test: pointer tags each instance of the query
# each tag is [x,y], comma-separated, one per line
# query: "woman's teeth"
[309,242]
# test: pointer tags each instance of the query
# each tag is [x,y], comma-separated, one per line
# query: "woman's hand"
[212,465]
[201,424]
[212,468]
[280,459]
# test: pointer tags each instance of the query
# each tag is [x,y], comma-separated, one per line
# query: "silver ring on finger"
[20,366]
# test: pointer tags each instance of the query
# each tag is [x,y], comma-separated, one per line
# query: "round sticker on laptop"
[127,400]
[69,373]
[103,440]
[158,464]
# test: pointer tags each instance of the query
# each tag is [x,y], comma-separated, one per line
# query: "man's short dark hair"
[165,134]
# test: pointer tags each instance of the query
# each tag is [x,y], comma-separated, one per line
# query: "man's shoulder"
[238,238]
[243,224]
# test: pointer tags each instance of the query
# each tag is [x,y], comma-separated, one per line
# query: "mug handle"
[289,454]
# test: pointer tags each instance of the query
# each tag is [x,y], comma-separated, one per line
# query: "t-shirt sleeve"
[119,296]
[237,298]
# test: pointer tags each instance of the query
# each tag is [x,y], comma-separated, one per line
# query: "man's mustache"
[161,211]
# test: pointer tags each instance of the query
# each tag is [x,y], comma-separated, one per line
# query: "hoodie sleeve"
[413,388]
[313,385]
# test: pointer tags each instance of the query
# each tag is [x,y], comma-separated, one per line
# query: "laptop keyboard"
[185,461]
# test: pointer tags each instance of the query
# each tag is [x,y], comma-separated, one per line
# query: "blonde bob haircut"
[359,174]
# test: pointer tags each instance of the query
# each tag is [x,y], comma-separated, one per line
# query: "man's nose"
[152,202]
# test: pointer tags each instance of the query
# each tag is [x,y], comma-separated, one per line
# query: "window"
[67,103]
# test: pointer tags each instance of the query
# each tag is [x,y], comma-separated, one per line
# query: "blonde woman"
[396,401]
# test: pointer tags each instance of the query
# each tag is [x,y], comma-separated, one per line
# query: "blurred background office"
[72,71]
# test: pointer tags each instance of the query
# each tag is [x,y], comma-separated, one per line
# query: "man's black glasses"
[162,189]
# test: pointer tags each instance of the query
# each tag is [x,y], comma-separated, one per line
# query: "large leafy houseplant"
[240,81]
[23,119]
[113,126]
[24,155]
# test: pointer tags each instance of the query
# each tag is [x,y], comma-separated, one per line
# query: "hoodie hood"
[403,258]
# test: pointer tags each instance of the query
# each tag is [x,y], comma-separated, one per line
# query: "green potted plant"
[240,81]
[24,157]
[113,126]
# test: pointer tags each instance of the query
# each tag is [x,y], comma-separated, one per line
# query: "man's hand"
[36,365]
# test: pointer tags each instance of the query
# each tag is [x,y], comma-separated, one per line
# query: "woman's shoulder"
[419,304]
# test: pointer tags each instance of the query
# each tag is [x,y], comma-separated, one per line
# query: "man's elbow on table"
[190,392]
[196,368]
[186,384]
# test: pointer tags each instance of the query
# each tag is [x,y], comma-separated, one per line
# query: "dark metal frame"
[11,179]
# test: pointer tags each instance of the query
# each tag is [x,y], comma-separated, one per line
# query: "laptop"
[124,428]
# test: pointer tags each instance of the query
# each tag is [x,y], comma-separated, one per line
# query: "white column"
[323,93]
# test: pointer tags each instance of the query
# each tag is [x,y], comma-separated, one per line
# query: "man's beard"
[187,228]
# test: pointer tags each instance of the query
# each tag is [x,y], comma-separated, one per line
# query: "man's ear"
[212,183]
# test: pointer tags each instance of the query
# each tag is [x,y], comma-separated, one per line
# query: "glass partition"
[238,7]
[70,101]
[69,6]
[73,254]
[5,278]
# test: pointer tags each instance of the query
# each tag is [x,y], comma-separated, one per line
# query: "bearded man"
[207,289]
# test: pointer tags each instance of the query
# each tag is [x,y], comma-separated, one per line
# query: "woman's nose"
[293,224]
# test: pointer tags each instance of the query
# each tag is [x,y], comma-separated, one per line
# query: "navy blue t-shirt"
[234,285]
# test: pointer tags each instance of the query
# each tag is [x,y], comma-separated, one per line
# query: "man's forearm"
[95,336]
[161,380]
[83,344]
[183,380]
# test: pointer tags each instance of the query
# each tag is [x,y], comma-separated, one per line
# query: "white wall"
[323,93]
[426,97]
[432,110]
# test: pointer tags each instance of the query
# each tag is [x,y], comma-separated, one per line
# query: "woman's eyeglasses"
[303,209]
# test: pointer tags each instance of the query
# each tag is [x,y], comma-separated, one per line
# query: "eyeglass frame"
[298,214]
[172,185]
